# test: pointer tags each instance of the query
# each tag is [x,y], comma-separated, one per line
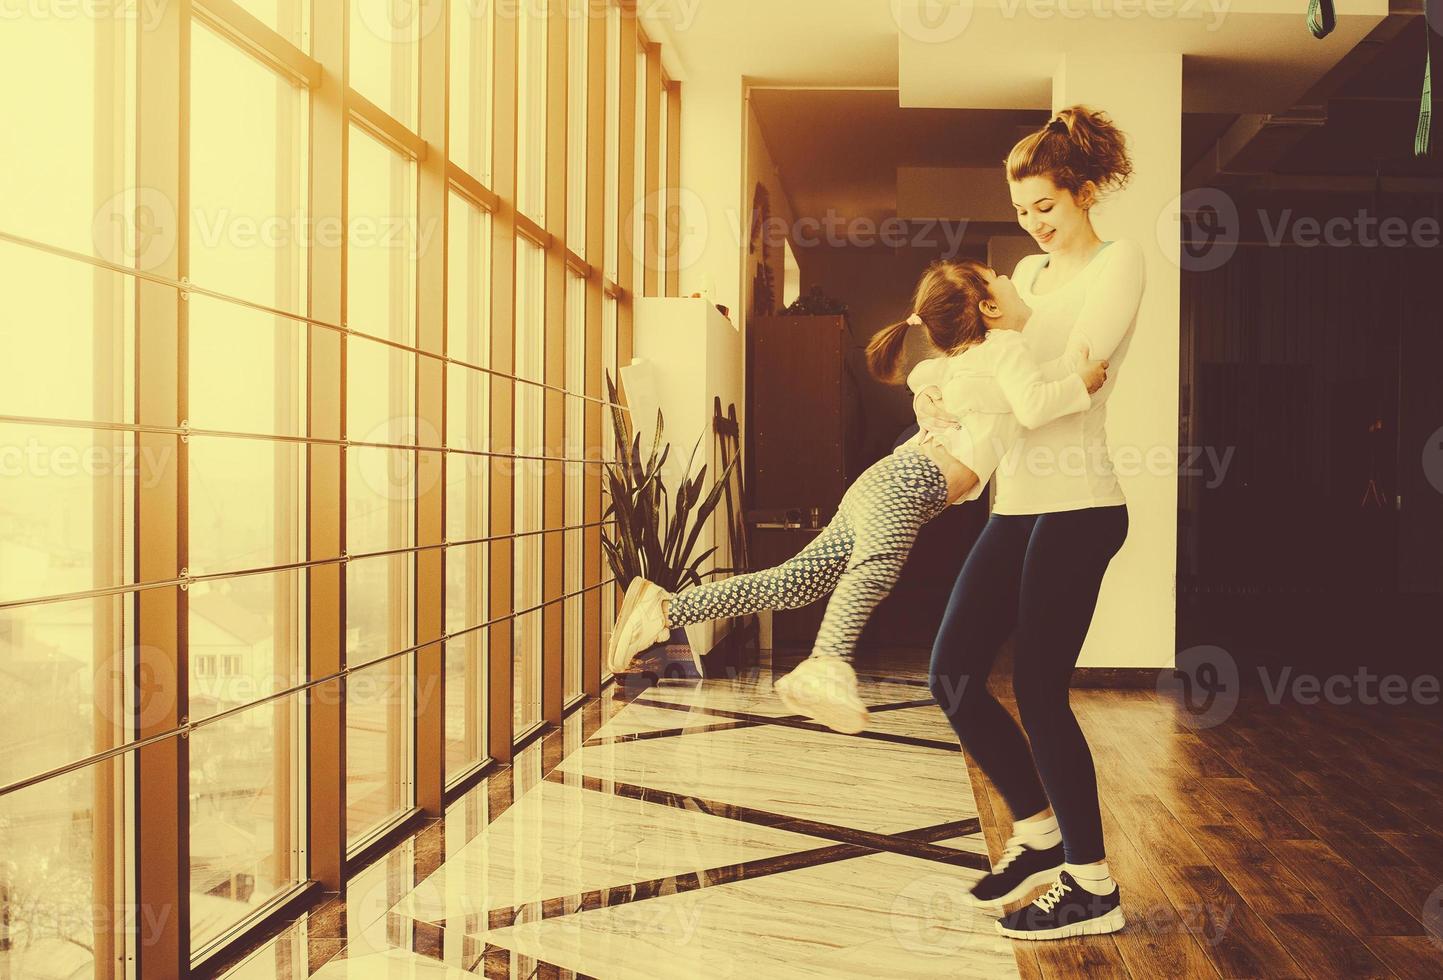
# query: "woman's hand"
[930,411]
[1093,373]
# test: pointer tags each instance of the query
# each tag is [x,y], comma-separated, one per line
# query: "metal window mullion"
[671,217]
[595,156]
[553,650]
[162,848]
[502,346]
[326,477]
[430,394]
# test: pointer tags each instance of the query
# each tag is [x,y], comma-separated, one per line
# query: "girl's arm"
[1033,399]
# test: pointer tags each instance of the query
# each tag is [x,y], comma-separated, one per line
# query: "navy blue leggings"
[1039,573]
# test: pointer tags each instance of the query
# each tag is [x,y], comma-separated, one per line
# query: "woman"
[1058,519]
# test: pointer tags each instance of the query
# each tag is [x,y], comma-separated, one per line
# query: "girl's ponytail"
[884,352]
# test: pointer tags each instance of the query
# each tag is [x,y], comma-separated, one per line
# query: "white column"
[713,121]
[1136,620]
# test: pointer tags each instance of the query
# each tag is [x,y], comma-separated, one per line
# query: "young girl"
[972,400]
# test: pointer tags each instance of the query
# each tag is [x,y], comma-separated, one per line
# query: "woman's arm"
[1112,301]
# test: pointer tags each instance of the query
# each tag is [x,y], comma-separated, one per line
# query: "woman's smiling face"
[1050,214]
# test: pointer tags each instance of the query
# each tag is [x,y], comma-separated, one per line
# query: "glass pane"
[69,103]
[609,316]
[468,299]
[382,239]
[247,170]
[468,408]
[247,504]
[608,614]
[68,334]
[573,632]
[526,649]
[465,702]
[380,499]
[379,597]
[247,369]
[64,875]
[378,747]
[467,586]
[247,637]
[288,18]
[66,502]
[613,136]
[245,831]
[384,49]
[470,92]
[575,382]
[531,109]
[68,671]
[636,212]
[468,479]
[380,380]
[578,23]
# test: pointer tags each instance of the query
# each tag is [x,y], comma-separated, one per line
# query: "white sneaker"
[640,623]
[824,688]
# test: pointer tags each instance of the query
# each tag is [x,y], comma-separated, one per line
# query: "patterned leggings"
[859,555]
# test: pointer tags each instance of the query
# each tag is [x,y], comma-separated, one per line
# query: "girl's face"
[1004,309]
[1053,216]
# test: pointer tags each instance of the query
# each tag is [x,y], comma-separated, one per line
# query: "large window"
[277,411]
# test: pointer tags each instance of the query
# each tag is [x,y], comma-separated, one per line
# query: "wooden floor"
[1289,841]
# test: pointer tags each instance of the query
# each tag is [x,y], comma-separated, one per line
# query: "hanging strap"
[1423,139]
[1322,18]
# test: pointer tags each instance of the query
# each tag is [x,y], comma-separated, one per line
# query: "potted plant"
[653,535]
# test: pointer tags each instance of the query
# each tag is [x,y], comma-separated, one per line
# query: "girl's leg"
[980,616]
[803,579]
[887,509]
[1066,559]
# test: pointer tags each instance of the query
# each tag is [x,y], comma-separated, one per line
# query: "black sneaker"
[1020,869]
[1067,909]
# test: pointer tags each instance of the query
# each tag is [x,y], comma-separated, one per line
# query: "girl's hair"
[1078,145]
[948,300]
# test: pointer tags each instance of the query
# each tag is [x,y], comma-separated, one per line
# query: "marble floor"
[691,830]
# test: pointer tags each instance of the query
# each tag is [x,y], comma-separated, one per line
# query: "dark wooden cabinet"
[803,423]
[804,443]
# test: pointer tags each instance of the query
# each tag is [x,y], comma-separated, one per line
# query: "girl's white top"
[993,390]
[1064,464]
